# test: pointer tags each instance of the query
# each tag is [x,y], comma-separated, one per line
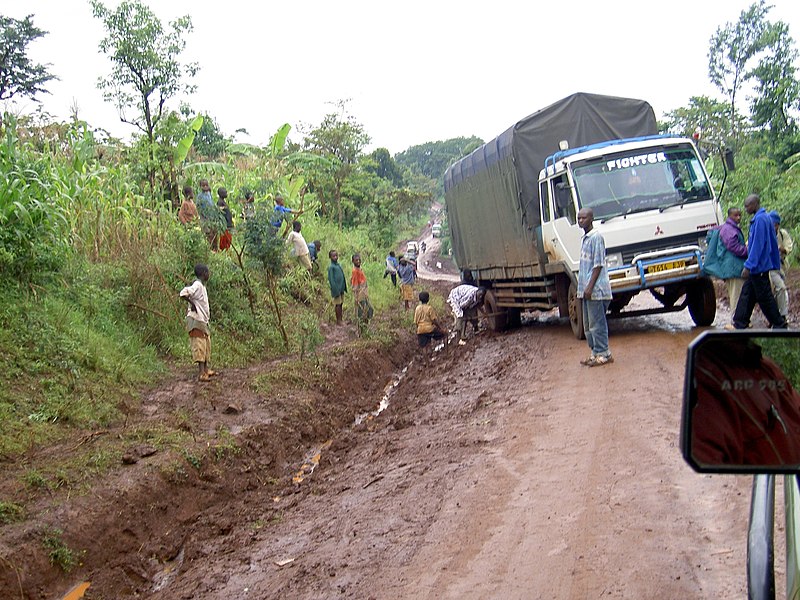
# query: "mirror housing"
[727,156]
[741,407]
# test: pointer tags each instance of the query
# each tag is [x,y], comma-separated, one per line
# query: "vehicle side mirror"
[741,407]
[727,156]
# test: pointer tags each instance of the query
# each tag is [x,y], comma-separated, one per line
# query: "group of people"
[755,271]
[208,213]
[211,217]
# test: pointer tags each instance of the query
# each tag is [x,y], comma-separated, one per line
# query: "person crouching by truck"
[428,327]
[466,300]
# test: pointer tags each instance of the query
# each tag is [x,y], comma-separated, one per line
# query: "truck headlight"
[614,260]
[703,243]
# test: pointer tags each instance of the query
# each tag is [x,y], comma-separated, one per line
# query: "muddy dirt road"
[500,469]
[505,470]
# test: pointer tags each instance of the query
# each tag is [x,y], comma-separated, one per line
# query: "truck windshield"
[636,181]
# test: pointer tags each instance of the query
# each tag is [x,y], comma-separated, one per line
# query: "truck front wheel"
[575,312]
[702,302]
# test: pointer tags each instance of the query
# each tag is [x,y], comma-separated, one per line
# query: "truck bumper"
[655,269]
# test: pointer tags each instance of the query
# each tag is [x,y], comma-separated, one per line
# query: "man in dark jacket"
[763,257]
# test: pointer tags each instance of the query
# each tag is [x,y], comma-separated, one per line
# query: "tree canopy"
[432,158]
[756,49]
[19,76]
[146,70]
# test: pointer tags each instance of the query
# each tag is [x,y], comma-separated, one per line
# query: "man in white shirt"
[197,319]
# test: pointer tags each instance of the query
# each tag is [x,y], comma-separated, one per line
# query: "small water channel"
[314,455]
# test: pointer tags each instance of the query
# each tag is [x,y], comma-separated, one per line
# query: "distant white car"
[412,250]
[436,230]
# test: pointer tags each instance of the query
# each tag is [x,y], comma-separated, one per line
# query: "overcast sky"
[416,71]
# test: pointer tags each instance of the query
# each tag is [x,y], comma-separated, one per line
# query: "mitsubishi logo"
[659,231]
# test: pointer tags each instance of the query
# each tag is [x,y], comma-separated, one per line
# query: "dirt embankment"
[501,469]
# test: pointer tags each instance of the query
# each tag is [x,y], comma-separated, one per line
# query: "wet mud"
[500,469]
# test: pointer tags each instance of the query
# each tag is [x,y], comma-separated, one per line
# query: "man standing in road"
[762,257]
[594,288]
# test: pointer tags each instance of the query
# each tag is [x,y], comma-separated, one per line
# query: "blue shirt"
[593,254]
[312,250]
[279,213]
[407,273]
[205,205]
[205,197]
[762,246]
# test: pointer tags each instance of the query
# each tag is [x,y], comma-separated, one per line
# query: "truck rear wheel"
[702,302]
[575,312]
[498,317]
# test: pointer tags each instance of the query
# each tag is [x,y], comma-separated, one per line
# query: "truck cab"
[653,203]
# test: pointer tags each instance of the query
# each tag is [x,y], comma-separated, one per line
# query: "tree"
[341,139]
[432,158]
[18,75]
[263,244]
[384,166]
[777,91]
[732,48]
[210,141]
[146,70]
[711,116]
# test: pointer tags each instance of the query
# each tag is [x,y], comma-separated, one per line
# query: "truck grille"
[628,252]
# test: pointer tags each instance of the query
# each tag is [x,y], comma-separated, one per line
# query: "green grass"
[289,375]
[58,552]
[10,512]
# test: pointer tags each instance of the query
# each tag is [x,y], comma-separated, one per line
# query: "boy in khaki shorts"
[197,321]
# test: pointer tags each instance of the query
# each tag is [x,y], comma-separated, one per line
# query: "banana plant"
[182,149]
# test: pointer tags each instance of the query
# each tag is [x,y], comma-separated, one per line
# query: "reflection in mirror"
[744,407]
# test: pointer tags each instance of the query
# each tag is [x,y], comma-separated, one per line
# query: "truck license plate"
[675,264]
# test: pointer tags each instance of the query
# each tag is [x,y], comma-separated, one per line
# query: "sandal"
[204,378]
[599,361]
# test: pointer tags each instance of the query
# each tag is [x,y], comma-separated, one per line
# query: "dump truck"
[512,208]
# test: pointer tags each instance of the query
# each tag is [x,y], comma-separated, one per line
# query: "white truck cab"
[652,201]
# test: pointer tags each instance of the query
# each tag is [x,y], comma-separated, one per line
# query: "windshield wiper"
[666,206]
[630,211]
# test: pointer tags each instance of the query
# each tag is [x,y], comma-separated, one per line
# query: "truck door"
[561,236]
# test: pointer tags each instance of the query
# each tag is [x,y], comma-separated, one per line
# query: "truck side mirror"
[727,156]
[741,407]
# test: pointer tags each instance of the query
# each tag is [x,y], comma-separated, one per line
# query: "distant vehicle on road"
[412,250]
[436,230]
